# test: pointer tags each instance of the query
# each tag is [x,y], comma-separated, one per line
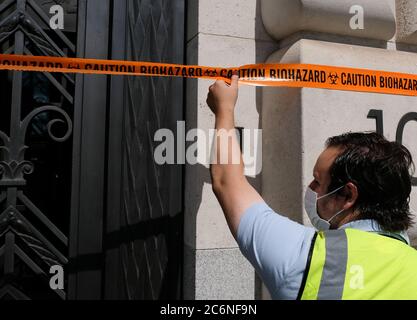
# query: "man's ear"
[351,194]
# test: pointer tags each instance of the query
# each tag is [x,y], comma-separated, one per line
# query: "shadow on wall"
[200,175]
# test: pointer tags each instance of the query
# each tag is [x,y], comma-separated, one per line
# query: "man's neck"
[352,216]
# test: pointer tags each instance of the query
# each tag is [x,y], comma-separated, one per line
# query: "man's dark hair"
[381,170]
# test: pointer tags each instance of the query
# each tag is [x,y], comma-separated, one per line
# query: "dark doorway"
[78,184]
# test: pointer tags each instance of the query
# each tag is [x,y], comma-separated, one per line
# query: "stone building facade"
[295,122]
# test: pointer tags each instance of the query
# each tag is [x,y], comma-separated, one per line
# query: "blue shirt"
[278,247]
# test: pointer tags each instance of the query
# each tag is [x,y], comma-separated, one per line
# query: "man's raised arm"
[230,185]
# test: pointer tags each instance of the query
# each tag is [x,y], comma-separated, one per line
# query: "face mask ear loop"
[335,215]
[330,193]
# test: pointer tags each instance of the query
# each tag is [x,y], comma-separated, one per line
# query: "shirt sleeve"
[274,245]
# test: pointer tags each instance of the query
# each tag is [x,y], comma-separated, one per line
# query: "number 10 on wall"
[378,115]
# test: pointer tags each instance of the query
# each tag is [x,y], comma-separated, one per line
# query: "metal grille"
[151,197]
[36,117]
[124,235]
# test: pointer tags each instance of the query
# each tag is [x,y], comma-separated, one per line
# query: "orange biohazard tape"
[275,75]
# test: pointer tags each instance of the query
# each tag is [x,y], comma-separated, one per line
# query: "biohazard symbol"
[333,78]
[210,73]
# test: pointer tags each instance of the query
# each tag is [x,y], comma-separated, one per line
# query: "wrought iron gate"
[33,227]
[78,183]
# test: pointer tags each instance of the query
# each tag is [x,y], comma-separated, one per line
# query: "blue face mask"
[310,205]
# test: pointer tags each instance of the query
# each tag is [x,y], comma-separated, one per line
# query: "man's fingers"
[235,81]
[220,83]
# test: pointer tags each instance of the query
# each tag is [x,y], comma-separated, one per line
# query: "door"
[143,238]
[78,184]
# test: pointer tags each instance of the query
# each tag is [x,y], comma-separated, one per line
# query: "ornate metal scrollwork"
[13,167]
[38,111]
[12,172]
[28,235]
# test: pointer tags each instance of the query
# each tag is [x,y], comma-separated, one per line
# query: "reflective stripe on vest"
[334,270]
[354,264]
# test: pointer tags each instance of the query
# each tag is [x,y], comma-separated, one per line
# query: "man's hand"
[222,97]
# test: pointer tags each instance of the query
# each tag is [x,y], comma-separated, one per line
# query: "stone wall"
[220,33]
[295,122]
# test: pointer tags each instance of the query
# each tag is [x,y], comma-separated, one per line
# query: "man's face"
[330,205]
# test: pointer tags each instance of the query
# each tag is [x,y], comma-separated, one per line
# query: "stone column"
[407,21]
[296,122]
[220,33]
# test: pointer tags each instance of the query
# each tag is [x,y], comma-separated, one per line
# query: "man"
[358,201]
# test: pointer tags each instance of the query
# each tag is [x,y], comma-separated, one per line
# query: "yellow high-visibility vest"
[359,265]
